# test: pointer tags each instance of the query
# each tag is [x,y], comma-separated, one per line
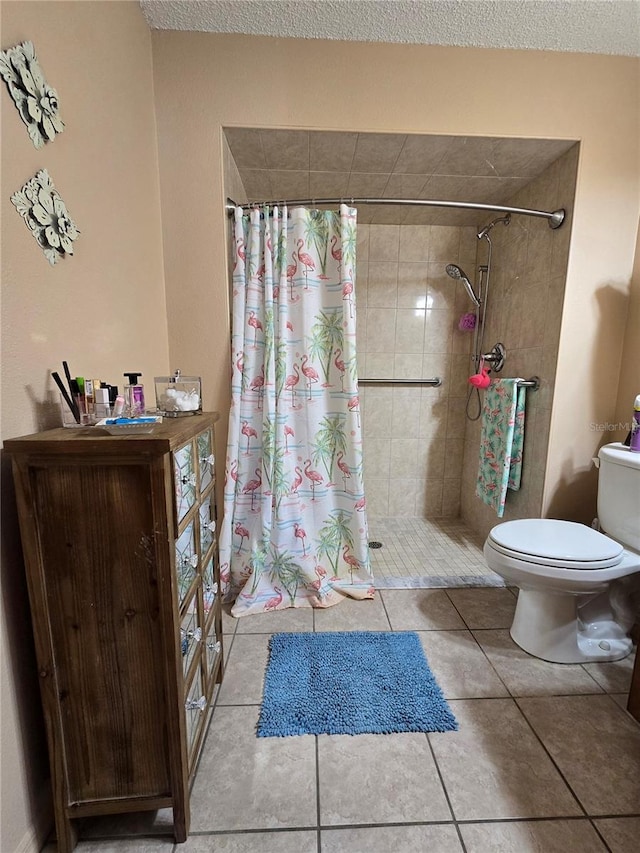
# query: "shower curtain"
[295,531]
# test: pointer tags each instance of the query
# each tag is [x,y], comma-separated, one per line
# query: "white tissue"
[181,401]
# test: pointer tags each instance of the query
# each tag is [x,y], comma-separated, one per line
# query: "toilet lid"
[556,542]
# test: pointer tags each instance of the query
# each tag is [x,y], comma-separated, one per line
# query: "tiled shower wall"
[525,313]
[407,327]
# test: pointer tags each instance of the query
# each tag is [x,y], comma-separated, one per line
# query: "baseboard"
[36,836]
[30,843]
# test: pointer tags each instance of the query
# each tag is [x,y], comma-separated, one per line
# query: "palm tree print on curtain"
[295,528]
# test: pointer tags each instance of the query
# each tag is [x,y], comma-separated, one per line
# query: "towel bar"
[435,382]
[533,383]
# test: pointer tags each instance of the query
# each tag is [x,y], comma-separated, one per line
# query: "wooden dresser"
[120,547]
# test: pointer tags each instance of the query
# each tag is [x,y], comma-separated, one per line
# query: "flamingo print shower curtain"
[295,531]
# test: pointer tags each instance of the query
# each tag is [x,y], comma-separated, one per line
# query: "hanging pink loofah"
[467,322]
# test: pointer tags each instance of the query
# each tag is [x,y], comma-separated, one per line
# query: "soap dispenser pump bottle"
[634,444]
[134,395]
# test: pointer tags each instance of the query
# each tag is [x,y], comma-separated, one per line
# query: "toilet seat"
[550,542]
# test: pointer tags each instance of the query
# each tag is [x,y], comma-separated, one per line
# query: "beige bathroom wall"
[103,309]
[407,319]
[525,306]
[629,386]
[205,81]
[233,189]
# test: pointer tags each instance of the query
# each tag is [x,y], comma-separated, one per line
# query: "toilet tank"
[619,494]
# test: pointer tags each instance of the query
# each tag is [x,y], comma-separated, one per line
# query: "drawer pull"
[214,647]
[207,460]
[187,637]
[188,479]
[196,704]
[190,560]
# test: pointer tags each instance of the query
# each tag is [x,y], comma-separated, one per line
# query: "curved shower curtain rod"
[555,218]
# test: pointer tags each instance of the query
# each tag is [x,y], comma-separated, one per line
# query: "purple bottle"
[635,427]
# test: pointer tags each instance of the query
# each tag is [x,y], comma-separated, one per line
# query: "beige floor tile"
[383,839]
[622,834]
[614,677]
[124,845]
[246,782]
[229,623]
[541,836]
[292,619]
[244,674]
[460,667]
[352,615]
[420,610]
[416,547]
[494,766]
[378,778]
[525,675]
[620,699]
[595,745]
[485,608]
[305,841]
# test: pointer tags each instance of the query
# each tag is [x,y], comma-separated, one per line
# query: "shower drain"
[374,544]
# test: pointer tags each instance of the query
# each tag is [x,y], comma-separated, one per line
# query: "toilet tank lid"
[619,454]
[554,539]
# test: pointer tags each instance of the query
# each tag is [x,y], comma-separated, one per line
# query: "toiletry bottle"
[134,395]
[635,427]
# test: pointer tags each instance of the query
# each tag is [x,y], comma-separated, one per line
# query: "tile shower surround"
[420,451]
[407,327]
[525,313]
[546,758]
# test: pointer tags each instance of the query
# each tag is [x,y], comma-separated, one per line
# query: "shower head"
[457,273]
[484,231]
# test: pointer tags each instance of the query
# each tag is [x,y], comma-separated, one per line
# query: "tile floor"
[546,758]
[419,553]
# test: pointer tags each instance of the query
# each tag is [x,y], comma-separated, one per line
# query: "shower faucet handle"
[496,357]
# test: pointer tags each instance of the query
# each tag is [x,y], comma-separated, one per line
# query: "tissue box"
[178,395]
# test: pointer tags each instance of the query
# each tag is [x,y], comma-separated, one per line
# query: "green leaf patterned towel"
[501,442]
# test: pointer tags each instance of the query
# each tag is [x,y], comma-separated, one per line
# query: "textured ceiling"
[298,164]
[574,26]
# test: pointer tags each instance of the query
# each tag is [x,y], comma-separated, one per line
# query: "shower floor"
[419,553]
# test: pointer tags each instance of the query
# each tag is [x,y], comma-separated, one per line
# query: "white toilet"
[575,584]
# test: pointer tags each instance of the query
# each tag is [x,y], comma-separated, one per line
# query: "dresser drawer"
[190,636]
[206,464]
[212,651]
[186,562]
[195,706]
[207,526]
[209,589]
[184,471]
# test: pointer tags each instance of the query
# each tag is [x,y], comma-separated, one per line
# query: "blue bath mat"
[349,683]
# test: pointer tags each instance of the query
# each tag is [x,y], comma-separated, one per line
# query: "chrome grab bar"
[533,383]
[435,382]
